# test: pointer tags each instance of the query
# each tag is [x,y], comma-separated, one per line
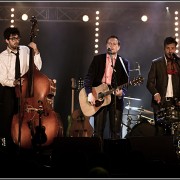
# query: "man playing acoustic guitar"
[111,70]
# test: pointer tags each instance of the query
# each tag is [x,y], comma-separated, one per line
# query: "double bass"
[36,124]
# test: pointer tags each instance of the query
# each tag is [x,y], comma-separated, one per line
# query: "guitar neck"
[113,89]
[72,101]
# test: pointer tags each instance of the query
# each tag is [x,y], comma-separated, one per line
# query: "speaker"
[73,154]
[146,157]
[77,144]
[118,151]
[155,148]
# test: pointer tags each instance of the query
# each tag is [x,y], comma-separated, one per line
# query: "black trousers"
[115,122]
[8,107]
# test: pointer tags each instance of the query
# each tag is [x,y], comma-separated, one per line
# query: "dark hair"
[11,31]
[170,40]
[113,36]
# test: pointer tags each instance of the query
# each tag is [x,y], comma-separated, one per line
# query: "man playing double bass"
[8,80]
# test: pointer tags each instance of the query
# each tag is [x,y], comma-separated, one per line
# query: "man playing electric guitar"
[113,70]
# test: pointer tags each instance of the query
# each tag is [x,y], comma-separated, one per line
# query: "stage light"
[96,46]
[97,12]
[97,17]
[167,9]
[144,18]
[24,17]
[176,29]
[96,29]
[97,23]
[85,18]
[96,34]
[176,23]
[96,40]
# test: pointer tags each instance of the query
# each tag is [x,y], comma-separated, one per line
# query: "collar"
[114,57]
[9,50]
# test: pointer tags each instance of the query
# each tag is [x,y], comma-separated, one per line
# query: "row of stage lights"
[176,29]
[24,17]
[85,18]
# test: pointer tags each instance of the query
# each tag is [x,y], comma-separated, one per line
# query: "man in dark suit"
[163,83]
[113,70]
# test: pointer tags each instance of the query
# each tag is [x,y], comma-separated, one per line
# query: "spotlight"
[24,17]
[144,18]
[85,18]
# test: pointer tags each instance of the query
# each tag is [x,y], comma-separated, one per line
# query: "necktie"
[17,65]
[171,67]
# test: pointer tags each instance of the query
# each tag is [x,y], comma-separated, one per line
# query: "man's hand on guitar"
[119,92]
[91,99]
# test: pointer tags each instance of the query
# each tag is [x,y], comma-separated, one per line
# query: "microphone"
[109,51]
[175,56]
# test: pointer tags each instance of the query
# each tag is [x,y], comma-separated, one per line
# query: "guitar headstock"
[137,81]
[73,83]
[34,28]
[80,84]
[77,84]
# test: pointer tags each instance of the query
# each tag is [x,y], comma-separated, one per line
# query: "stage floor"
[79,157]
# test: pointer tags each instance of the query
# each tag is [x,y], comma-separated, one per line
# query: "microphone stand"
[115,83]
[19,112]
[139,68]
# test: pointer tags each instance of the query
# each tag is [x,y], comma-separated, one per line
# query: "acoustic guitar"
[102,94]
[78,124]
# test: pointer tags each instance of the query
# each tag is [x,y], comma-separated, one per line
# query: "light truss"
[74,14]
[53,14]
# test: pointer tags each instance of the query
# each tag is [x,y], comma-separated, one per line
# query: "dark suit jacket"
[157,80]
[96,72]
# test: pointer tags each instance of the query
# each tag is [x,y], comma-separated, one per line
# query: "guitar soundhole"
[98,103]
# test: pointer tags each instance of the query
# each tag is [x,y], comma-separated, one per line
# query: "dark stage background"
[67,45]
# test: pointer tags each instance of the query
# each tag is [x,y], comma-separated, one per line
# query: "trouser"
[7,109]
[115,120]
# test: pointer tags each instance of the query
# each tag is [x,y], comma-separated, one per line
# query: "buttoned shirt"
[108,70]
[7,64]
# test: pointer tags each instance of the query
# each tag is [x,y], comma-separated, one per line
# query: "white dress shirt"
[7,64]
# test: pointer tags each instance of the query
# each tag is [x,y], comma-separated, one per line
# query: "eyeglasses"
[15,38]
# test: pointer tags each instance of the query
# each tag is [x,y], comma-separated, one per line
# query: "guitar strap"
[123,66]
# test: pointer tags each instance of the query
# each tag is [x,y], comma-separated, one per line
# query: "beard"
[13,46]
[169,56]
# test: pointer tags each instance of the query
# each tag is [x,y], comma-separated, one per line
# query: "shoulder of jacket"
[124,59]
[158,59]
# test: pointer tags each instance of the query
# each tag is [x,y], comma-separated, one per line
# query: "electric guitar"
[102,94]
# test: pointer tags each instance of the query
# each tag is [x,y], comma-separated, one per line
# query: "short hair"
[11,30]
[113,36]
[170,40]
